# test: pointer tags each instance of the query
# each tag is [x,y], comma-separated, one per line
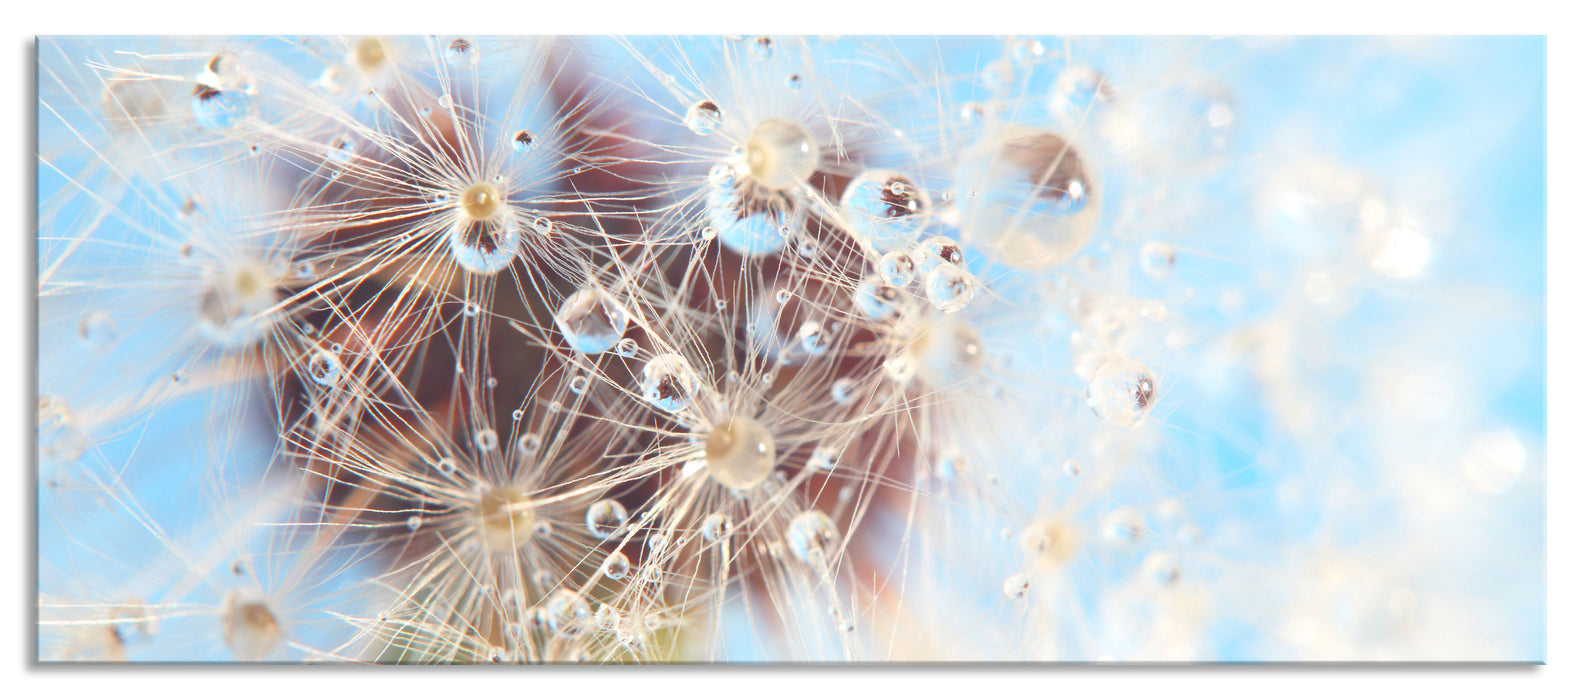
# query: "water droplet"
[324,367]
[812,537]
[704,118]
[814,337]
[1122,391]
[605,518]
[781,154]
[750,218]
[740,453]
[1157,259]
[340,149]
[250,627]
[445,101]
[944,353]
[1071,468]
[616,566]
[414,523]
[566,612]
[1124,526]
[715,527]
[1015,586]
[884,208]
[217,109]
[98,330]
[486,440]
[446,466]
[876,299]
[1078,92]
[794,82]
[461,53]
[823,459]
[578,384]
[897,268]
[669,382]
[843,391]
[484,245]
[1038,203]
[1161,569]
[522,141]
[763,47]
[607,618]
[592,320]
[950,288]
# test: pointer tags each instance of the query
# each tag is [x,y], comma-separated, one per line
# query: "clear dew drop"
[605,518]
[250,627]
[935,251]
[876,299]
[217,109]
[446,466]
[739,453]
[814,338]
[592,320]
[763,48]
[414,522]
[944,352]
[1122,392]
[1071,468]
[484,246]
[843,391]
[341,149]
[461,53]
[950,288]
[1157,259]
[794,82]
[522,141]
[98,330]
[715,527]
[704,118]
[1032,200]
[324,367]
[897,269]
[616,566]
[1078,93]
[607,618]
[578,384]
[750,218]
[1015,586]
[812,537]
[1161,569]
[885,208]
[781,154]
[669,382]
[823,459]
[486,440]
[1124,526]
[565,612]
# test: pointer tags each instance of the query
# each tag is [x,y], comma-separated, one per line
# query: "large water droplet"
[884,208]
[592,320]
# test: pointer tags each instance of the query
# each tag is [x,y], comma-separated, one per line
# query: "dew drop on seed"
[616,566]
[592,320]
[823,459]
[704,118]
[843,391]
[1161,569]
[715,527]
[876,299]
[896,268]
[217,109]
[781,154]
[626,348]
[1157,259]
[522,141]
[885,209]
[749,218]
[814,337]
[461,53]
[250,627]
[1037,201]
[566,612]
[578,384]
[1015,586]
[1122,391]
[812,537]
[97,330]
[740,453]
[1124,526]
[669,382]
[607,618]
[484,245]
[324,367]
[936,250]
[486,440]
[950,288]
[763,47]
[605,518]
